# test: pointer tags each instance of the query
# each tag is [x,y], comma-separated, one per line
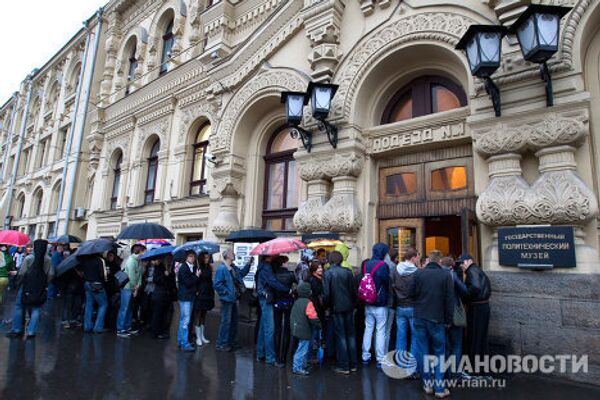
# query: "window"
[114,197]
[51,228]
[41,161]
[24,162]
[37,206]
[62,142]
[54,198]
[168,41]
[448,179]
[152,173]
[423,96]
[133,64]
[198,184]
[282,182]
[21,204]
[401,184]
[31,232]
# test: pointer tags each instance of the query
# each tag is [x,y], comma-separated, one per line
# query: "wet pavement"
[67,364]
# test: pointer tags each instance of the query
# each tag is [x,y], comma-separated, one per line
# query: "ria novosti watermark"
[402,364]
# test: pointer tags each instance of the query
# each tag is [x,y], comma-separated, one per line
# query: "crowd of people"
[321,311]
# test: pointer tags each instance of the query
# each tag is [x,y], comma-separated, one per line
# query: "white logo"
[399,364]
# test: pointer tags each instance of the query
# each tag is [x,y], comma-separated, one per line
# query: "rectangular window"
[448,179]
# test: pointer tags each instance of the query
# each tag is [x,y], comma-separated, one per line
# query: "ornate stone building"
[185,127]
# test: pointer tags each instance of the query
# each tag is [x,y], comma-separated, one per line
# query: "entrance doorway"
[443,234]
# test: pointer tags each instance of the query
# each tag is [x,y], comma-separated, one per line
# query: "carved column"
[225,192]
[112,43]
[309,217]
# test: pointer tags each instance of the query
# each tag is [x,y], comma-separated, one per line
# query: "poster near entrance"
[242,257]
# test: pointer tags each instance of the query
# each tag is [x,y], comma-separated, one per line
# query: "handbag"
[122,279]
[459,317]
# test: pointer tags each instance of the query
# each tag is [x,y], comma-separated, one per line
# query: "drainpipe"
[86,100]
[11,132]
[75,113]
[13,178]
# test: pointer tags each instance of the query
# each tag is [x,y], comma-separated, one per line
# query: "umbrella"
[278,246]
[14,238]
[96,246]
[197,246]
[65,239]
[326,244]
[250,236]
[146,230]
[154,242]
[67,264]
[157,252]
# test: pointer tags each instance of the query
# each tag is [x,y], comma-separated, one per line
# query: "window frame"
[203,181]
[114,200]
[152,161]
[166,54]
[421,96]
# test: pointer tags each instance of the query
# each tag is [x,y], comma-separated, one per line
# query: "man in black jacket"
[478,311]
[433,293]
[339,293]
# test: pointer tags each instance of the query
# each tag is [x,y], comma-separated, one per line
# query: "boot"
[204,339]
[198,335]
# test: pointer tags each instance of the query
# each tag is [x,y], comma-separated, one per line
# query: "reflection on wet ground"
[62,364]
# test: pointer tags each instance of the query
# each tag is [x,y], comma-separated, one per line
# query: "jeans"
[345,338]
[17,323]
[454,345]
[92,298]
[185,314]
[375,319]
[266,344]
[431,341]
[281,319]
[405,323]
[391,312]
[124,319]
[301,355]
[228,325]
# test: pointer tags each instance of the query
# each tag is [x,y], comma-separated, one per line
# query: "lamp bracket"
[332,131]
[492,90]
[303,134]
[545,74]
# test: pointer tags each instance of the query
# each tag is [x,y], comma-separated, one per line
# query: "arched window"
[37,202]
[54,197]
[423,96]
[152,173]
[168,41]
[21,206]
[114,196]
[198,184]
[133,64]
[282,182]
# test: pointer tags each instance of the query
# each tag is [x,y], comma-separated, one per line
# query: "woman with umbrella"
[205,297]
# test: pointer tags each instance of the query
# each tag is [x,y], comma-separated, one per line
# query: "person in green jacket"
[6,266]
[303,317]
[134,271]
[342,248]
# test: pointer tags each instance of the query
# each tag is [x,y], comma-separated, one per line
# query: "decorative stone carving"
[442,27]
[309,217]
[203,109]
[344,164]
[553,130]
[342,213]
[159,128]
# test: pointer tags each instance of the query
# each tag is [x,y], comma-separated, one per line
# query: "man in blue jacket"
[376,313]
[229,285]
[266,284]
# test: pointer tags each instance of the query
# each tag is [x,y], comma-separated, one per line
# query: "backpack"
[35,283]
[367,292]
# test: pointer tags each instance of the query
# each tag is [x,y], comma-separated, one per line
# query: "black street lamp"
[320,95]
[538,31]
[483,47]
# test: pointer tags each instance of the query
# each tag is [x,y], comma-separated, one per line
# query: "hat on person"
[464,257]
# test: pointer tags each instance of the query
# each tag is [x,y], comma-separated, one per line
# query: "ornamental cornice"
[126,125]
[156,111]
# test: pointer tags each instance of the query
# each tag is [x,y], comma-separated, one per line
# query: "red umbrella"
[278,246]
[14,238]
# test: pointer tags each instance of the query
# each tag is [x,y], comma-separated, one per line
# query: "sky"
[32,31]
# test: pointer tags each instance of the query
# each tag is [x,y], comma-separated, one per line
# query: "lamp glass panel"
[548,27]
[321,98]
[527,37]
[473,53]
[490,46]
[295,105]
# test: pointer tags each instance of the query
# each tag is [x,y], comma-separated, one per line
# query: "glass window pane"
[283,142]
[274,224]
[151,176]
[275,186]
[198,163]
[404,109]
[203,133]
[548,28]
[401,184]
[490,46]
[116,183]
[293,186]
[526,35]
[450,178]
[443,99]
[289,224]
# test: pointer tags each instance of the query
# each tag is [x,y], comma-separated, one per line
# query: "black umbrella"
[146,230]
[96,246]
[65,239]
[67,264]
[250,236]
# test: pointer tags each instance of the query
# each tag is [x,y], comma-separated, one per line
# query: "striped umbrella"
[278,246]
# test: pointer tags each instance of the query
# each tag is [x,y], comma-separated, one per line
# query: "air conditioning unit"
[80,213]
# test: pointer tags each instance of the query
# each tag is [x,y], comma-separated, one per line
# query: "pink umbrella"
[154,243]
[278,246]
[14,238]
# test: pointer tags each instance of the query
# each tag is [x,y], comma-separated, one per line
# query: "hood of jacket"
[345,251]
[303,290]
[406,268]
[379,251]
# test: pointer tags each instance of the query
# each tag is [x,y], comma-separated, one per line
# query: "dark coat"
[303,315]
[188,283]
[266,280]
[205,296]
[339,289]
[287,279]
[316,296]
[382,275]
[165,289]
[478,284]
[433,292]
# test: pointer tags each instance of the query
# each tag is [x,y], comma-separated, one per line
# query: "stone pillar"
[224,195]
[113,37]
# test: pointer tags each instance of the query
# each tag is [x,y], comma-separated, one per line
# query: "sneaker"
[378,366]
[223,348]
[13,334]
[30,336]
[101,331]
[301,372]
[123,334]
[75,324]
[339,370]
[442,395]
[134,331]
[353,369]
[366,362]
[187,347]
[428,389]
[276,364]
